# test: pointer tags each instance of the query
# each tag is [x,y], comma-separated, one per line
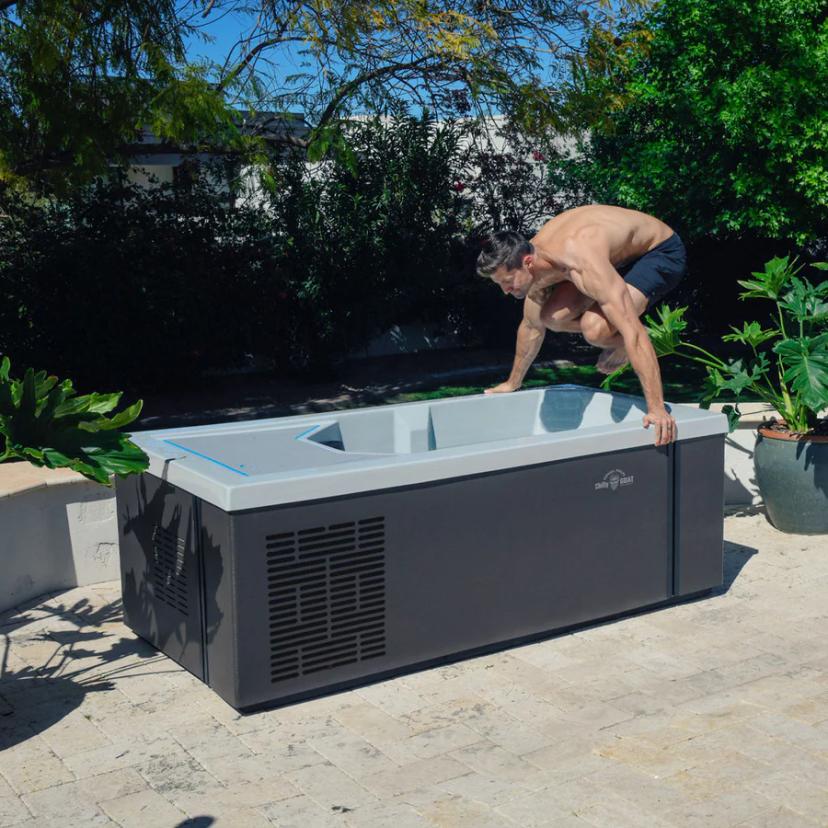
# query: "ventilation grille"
[326,588]
[169,576]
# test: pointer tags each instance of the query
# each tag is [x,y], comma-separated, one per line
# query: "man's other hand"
[503,388]
[665,426]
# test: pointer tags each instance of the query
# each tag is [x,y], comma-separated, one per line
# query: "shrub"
[45,422]
[374,238]
[122,284]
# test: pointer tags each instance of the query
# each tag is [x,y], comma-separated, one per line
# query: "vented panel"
[326,588]
[169,575]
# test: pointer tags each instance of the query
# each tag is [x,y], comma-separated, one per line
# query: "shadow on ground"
[86,658]
[735,557]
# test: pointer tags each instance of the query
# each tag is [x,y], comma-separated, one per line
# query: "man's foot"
[612,359]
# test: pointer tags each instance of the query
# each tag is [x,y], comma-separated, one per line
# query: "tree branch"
[259,47]
[365,77]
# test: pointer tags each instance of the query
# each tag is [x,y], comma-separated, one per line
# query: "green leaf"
[806,368]
[319,145]
[740,377]
[43,422]
[102,403]
[55,398]
[803,301]
[6,399]
[733,414]
[118,421]
[820,265]
[713,383]
[665,333]
[28,398]
[769,283]
[88,404]
[751,334]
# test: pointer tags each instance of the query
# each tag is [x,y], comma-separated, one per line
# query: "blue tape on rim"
[207,457]
[306,432]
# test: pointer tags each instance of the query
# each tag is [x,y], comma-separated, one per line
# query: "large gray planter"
[793,480]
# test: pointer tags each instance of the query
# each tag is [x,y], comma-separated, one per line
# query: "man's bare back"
[626,234]
[570,278]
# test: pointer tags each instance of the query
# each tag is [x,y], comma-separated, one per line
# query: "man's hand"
[503,388]
[665,426]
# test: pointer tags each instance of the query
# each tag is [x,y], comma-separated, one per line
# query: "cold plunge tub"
[278,559]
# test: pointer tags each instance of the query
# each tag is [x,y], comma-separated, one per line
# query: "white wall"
[148,176]
[56,537]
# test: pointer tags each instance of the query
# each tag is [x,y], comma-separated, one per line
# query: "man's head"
[506,259]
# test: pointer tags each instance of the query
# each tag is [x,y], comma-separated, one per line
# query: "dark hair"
[505,247]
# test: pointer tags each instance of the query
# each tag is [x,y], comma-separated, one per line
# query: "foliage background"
[118,284]
[717,120]
[713,115]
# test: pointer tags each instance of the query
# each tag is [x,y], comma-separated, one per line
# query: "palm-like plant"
[786,364]
[43,421]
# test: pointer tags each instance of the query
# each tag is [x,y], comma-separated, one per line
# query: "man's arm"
[530,336]
[601,280]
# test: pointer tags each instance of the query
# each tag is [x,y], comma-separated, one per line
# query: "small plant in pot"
[786,366]
[45,422]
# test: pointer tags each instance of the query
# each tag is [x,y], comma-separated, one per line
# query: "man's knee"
[556,317]
[595,328]
[564,307]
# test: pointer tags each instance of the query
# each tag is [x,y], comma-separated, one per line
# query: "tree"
[78,80]
[712,114]
[78,77]
[449,56]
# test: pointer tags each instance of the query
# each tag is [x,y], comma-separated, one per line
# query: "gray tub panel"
[308,553]
[699,493]
[160,577]
[221,606]
[438,570]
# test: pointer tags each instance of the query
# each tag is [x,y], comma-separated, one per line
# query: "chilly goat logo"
[615,478]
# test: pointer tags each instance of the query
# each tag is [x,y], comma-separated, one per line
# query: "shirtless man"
[593,270]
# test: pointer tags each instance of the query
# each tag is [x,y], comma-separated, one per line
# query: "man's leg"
[563,310]
[598,331]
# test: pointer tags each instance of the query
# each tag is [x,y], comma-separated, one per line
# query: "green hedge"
[123,285]
[150,288]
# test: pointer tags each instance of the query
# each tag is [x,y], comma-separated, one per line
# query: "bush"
[121,284]
[152,287]
[715,120]
[374,238]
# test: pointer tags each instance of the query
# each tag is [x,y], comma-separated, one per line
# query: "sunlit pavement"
[710,713]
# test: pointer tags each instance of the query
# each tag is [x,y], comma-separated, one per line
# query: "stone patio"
[710,713]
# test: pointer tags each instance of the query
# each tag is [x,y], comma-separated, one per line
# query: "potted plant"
[786,366]
[43,421]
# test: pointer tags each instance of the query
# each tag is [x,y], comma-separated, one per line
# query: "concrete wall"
[57,531]
[740,478]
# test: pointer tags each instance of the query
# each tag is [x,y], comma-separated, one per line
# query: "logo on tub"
[615,478]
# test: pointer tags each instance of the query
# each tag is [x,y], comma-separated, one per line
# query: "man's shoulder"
[584,239]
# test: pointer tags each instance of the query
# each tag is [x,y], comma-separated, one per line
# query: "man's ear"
[528,259]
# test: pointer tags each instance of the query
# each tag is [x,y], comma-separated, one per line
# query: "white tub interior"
[463,422]
[412,428]
[250,464]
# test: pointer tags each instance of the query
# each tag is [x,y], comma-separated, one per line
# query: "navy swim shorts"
[657,272]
